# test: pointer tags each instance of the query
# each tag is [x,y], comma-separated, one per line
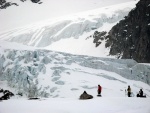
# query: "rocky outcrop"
[85,96]
[6,94]
[4,4]
[130,38]
[99,37]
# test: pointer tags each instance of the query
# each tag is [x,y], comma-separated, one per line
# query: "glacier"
[45,73]
[43,34]
[37,69]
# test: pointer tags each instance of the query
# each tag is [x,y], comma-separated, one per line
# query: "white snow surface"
[71,34]
[58,79]
[97,105]
[28,12]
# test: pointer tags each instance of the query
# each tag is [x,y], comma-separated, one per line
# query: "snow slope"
[43,73]
[71,33]
[58,79]
[27,12]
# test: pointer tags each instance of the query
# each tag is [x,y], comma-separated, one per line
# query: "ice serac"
[43,73]
[45,33]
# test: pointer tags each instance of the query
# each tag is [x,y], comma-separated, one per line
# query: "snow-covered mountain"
[42,73]
[57,79]
[18,13]
[71,34]
[36,72]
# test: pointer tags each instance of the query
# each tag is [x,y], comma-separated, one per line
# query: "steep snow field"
[71,33]
[28,13]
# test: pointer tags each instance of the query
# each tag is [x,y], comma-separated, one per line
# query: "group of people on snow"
[85,95]
[140,94]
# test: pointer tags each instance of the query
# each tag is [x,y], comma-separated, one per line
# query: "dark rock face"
[6,94]
[85,96]
[130,38]
[4,4]
[98,37]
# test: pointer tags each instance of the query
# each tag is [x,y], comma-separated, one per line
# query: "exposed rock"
[130,38]
[6,94]
[85,96]
[4,4]
[98,37]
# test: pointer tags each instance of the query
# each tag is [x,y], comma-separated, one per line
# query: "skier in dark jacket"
[99,90]
[129,91]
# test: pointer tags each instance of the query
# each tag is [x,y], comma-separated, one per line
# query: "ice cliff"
[42,73]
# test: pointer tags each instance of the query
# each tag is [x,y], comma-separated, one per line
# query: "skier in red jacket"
[99,90]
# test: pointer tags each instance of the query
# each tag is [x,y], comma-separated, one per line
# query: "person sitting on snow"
[140,94]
